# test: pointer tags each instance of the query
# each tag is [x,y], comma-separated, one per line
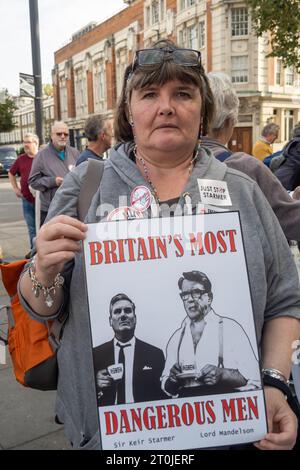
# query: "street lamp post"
[36,67]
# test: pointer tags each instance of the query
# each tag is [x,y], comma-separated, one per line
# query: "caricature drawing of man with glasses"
[208,354]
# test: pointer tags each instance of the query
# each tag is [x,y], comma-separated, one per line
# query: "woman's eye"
[149,94]
[184,94]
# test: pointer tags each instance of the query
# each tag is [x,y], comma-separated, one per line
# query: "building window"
[239,69]
[192,37]
[278,72]
[239,21]
[147,17]
[99,86]
[162,9]
[289,76]
[288,123]
[63,99]
[181,38]
[80,93]
[201,34]
[155,13]
[122,62]
[186,3]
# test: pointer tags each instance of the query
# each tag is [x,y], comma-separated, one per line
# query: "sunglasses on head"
[184,57]
[60,134]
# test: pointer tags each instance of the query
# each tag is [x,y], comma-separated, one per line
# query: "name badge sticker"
[214,192]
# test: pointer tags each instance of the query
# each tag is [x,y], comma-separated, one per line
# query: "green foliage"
[282,19]
[48,89]
[7,108]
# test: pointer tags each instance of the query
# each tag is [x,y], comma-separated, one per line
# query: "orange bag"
[32,344]
[33,357]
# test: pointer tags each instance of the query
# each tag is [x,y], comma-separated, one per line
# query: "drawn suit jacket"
[148,365]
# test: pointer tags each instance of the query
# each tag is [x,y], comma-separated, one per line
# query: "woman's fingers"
[280,441]
[62,244]
[65,219]
[59,230]
[57,242]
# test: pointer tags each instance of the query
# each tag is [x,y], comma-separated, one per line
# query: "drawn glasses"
[196,294]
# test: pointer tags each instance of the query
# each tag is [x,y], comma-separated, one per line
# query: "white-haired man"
[263,147]
[22,168]
[51,166]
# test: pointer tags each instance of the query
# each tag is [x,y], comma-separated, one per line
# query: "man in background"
[263,147]
[99,133]
[22,168]
[51,165]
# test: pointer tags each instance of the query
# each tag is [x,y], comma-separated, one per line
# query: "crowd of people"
[172,126]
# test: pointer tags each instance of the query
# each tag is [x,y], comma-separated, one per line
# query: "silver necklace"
[146,171]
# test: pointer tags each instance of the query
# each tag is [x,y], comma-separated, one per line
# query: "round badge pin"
[124,213]
[140,198]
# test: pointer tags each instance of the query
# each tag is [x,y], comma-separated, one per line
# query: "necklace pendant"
[49,301]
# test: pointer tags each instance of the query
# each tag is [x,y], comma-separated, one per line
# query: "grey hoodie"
[272,273]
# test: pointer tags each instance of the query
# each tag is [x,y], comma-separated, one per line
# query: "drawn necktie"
[121,384]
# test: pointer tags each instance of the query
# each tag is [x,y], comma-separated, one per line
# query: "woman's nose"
[166,107]
[166,111]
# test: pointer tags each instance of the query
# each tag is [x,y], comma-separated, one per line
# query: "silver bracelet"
[37,286]
[276,374]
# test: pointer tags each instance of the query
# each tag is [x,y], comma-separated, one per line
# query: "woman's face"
[166,117]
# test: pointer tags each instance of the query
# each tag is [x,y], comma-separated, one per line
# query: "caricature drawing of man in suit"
[127,369]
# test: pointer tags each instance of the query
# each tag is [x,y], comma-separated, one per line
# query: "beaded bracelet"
[37,286]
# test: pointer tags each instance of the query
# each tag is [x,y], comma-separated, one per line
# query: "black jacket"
[148,365]
[289,173]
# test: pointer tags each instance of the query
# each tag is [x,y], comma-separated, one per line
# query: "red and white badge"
[140,198]
[125,213]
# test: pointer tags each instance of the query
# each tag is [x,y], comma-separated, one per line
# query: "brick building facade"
[88,71]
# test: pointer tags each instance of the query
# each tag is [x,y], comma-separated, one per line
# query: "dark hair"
[116,299]
[296,130]
[94,125]
[147,75]
[196,276]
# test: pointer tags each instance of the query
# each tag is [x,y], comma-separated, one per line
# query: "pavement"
[26,416]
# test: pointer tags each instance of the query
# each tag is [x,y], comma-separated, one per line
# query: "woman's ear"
[129,115]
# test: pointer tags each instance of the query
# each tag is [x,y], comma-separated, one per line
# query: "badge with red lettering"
[141,198]
[124,213]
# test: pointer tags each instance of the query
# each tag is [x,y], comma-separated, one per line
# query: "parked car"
[8,156]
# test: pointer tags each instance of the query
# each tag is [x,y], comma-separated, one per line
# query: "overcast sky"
[59,19]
